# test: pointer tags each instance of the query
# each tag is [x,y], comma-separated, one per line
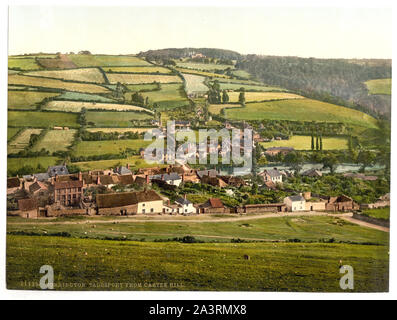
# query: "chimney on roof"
[183,177]
[56,177]
[147,179]
[128,166]
[80,176]
[98,180]
[169,202]
[184,196]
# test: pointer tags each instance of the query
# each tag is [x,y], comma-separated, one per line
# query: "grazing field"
[121,130]
[21,141]
[90,60]
[381,213]
[83,75]
[203,66]
[202,73]
[148,69]
[78,96]
[14,164]
[304,143]
[56,140]
[115,119]
[11,132]
[17,79]
[194,83]
[92,148]
[142,87]
[301,110]
[60,62]
[217,108]
[135,162]
[379,86]
[170,96]
[263,96]
[125,265]
[76,106]
[23,63]
[25,100]
[37,119]
[248,87]
[241,74]
[129,78]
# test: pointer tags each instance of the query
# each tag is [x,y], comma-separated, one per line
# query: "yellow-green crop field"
[76,106]
[91,60]
[300,110]
[202,73]
[27,99]
[17,79]
[56,140]
[83,75]
[142,69]
[25,63]
[379,86]
[304,143]
[21,141]
[129,78]
[263,96]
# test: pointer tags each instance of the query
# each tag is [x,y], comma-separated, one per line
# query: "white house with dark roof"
[272,175]
[295,203]
[185,206]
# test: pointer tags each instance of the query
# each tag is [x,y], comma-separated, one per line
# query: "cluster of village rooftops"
[59,193]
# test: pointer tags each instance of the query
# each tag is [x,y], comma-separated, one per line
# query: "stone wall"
[379,222]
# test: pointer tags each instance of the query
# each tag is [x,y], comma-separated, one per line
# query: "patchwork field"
[15,164]
[263,96]
[23,63]
[11,132]
[194,83]
[379,86]
[203,66]
[42,119]
[241,74]
[92,148]
[17,79]
[93,75]
[248,87]
[116,119]
[76,106]
[78,96]
[300,110]
[56,140]
[129,78]
[141,87]
[121,130]
[202,73]
[25,100]
[143,69]
[90,60]
[217,108]
[304,143]
[21,141]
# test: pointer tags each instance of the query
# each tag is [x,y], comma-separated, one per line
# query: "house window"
[151,210]
[143,205]
[143,210]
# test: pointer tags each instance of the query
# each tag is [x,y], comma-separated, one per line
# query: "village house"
[68,193]
[27,208]
[295,203]
[341,203]
[172,178]
[13,185]
[123,170]
[272,175]
[312,173]
[182,124]
[213,205]
[273,151]
[263,207]
[129,203]
[185,206]
[214,181]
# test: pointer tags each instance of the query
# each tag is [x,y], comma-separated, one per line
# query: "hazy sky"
[305,32]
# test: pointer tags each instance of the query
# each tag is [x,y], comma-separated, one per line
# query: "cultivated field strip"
[77,106]
[93,75]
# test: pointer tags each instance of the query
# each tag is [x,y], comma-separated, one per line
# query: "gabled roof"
[37,186]
[211,173]
[183,201]
[122,170]
[215,203]
[108,179]
[42,176]
[272,172]
[126,179]
[57,170]
[13,182]
[111,200]
[171,176]
[27,204]
[68,184]
[296,198]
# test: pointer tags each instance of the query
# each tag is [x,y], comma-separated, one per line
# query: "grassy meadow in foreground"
[91,264]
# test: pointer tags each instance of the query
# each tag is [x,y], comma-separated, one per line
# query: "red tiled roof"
[216,203]
[68,184]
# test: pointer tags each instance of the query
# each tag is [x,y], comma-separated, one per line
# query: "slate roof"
[111,200]
[37,186]
[13,182]
[296,198]
[57,170]
[183,201]
[211,173]
[42,176]
[122,170]
[273,172]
